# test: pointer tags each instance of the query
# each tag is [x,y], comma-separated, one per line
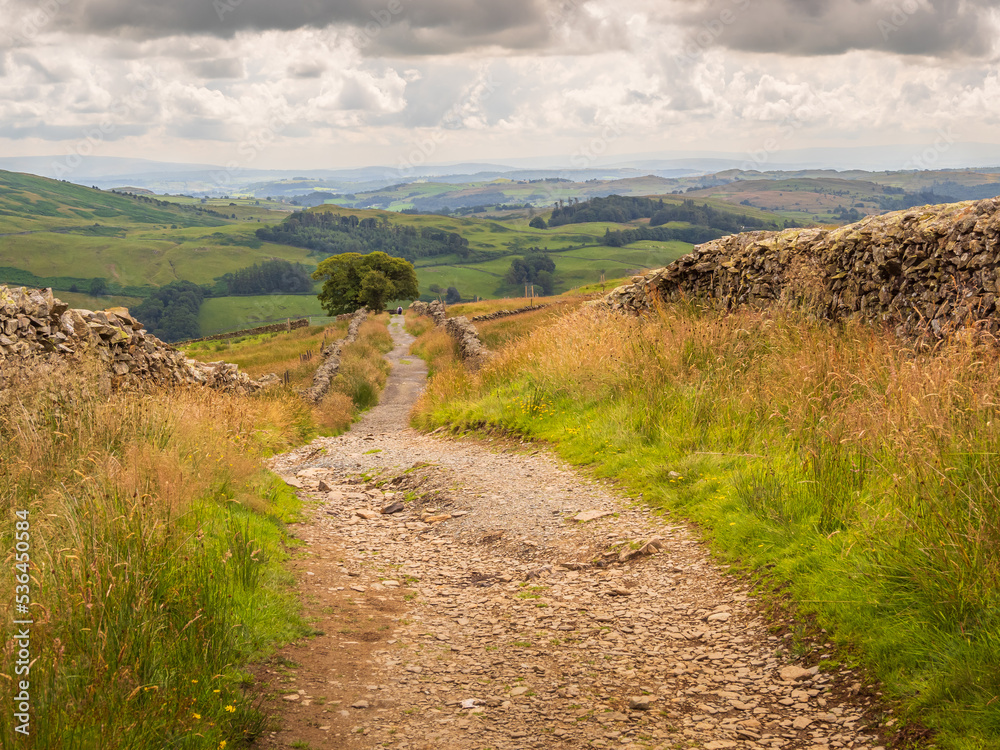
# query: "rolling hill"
[578,249]
[84,241]
[63,235]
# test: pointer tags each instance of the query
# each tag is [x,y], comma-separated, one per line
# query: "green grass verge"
[155,560]
[838,462]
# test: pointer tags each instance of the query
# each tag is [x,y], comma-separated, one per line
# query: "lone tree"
[98,287]
[538,223]
[352,281]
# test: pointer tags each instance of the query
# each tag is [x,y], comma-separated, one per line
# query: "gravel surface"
[513,603]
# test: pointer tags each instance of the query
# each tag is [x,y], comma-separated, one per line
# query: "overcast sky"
[342,83]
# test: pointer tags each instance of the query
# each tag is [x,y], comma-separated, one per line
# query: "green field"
[140,258]
[56,229]
[220,314]
[245,208]
[574,268]
[86,302]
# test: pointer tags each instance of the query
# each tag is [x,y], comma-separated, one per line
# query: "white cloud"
[329,95]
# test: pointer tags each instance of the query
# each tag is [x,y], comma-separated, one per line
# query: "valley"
[126,243]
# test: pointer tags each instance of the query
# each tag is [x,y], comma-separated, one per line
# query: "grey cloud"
[640,97]
[430,97]
[400,26]
[310,69]
[46,73]
[356,96]
[687,99]
[446,98]
[939,28]
[177,48]
[69,132]
[297,130]
[228,67]
[915,93]
[204,129]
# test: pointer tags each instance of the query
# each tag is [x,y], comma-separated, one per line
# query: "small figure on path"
[399,310]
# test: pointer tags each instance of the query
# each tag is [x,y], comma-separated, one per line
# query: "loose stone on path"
[528,625]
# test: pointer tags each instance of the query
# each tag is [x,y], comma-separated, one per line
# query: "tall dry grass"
[156,538]
[363,370]
[362,376]
[417,325]
[864,471]
[273,352]
[503,331]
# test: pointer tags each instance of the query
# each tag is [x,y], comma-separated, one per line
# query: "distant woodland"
[171,312]
[704,222]
[270,277]
[621,209]
[332,234]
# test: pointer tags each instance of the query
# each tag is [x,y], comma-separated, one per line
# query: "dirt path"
[476,617]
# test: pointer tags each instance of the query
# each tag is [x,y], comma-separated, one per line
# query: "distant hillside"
[830,197]
[434,197]
[29,203]
[804,197]
[68,237]
[474,255]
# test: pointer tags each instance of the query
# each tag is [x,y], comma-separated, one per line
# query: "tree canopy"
[533,268]
[171,312]
[327,233]
[270,277]
[352,281]
[693,235]
[622,209]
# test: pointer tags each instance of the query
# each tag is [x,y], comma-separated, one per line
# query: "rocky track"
[512,603]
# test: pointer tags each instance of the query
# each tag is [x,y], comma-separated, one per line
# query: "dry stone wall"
[474,354]
[288,325]
[35,326]
[331,359]
[435,309]
[507,313]
[924,271]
